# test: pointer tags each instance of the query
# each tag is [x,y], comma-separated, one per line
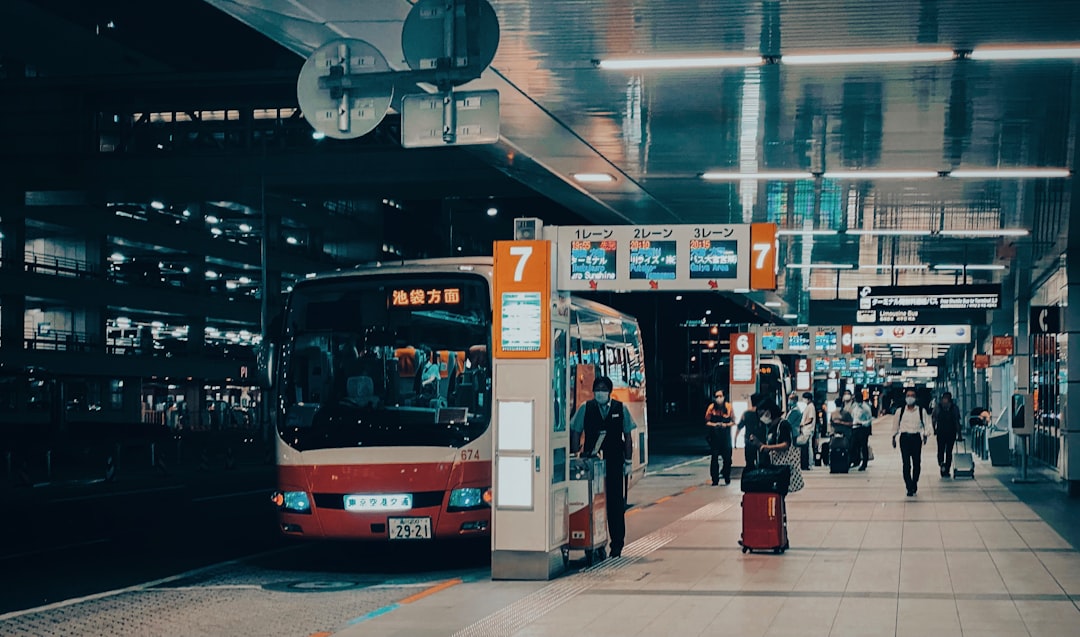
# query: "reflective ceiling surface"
[657,131]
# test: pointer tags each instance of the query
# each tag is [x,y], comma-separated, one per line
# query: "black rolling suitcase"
[963,463]
[839,457]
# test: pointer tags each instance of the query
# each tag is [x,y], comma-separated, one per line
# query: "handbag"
[789,458]
[869,452]
[772,479]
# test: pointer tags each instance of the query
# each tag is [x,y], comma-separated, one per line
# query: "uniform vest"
[613,446]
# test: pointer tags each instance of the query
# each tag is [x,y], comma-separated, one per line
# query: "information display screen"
[593,260]
[839,364]
[711,259]
[821,364]
[855,363]
[772,340]
[824,340]
[798,340]
[653,260]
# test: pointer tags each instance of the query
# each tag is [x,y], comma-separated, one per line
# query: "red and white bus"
[383,394]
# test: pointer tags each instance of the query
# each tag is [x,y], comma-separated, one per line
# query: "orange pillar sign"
[763,252]
[743,354]
[522,308]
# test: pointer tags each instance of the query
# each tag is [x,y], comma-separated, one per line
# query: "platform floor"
[962,557]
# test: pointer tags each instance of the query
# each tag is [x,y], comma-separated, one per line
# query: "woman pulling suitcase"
[764,513]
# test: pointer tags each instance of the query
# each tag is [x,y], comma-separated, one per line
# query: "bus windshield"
[382,361]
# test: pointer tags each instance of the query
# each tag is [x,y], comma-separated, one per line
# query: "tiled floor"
[963,557]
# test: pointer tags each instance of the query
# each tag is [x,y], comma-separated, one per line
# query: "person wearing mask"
[754,435]
[861,419]
[602,414]
[807,427]
[912,427]
[778,442]
[946,419]
[718,422]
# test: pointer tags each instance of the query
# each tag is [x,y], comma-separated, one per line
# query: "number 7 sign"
[521,315]
[763,253]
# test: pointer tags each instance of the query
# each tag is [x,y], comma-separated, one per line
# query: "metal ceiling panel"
[657,131]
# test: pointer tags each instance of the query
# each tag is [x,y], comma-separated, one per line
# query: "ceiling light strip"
[1061,52]
[805,233]
[886,232]
[952,266]
[1026,53]
[820,266]
[1005,173]
[680,63]
[757,176]
[868,57]
[991,232]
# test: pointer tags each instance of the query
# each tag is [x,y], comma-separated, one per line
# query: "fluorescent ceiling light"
[680,63]
[868,57]
[593,178]
[1027,53]
[791,317]
[881,174]
[886,232]
[830,289]
[741,291]
[951,266]
[990,232]
[895,267]
[773,304]
[804,233]
[820,266]
[1003,173]
[759,176]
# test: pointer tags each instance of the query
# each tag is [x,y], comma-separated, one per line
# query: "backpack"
[900,413]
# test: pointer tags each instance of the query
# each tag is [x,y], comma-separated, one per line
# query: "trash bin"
[998,444]
[588,508]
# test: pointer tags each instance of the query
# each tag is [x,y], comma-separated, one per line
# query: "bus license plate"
[409,528]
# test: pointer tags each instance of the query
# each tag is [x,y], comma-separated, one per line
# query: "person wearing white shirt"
[913,427]
[860,433]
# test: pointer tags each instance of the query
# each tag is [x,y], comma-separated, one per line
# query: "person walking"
[602,415]
[807,432]
[754,435]
[719,419]
[912,429]
[862,419]
[946,419]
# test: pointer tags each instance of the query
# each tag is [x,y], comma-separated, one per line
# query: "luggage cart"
[588,510]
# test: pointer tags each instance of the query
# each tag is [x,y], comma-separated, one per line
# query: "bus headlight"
[466,499]
[292,501]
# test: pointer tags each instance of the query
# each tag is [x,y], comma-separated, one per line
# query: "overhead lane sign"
[672,258]
[909,304]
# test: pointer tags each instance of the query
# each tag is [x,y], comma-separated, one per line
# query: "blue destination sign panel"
[711,259]
[683,257]
[593,260]
[653,260]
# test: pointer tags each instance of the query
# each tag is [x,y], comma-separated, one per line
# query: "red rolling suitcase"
[764,523]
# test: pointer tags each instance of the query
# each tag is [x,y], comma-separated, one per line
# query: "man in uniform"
[602,414]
